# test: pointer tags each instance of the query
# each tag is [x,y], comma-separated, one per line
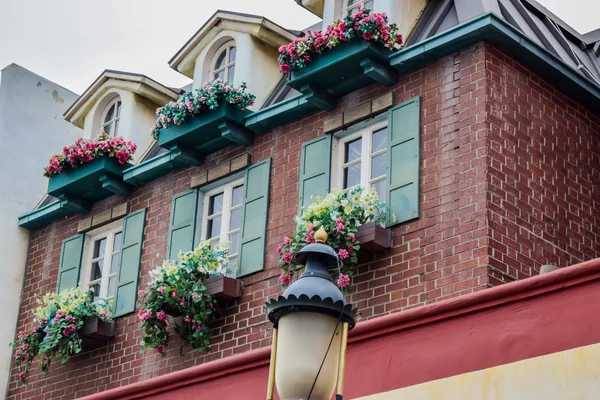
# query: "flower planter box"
[208,132]
[374,238]
[94,331]
[344,69]
[93,181]
[223,287]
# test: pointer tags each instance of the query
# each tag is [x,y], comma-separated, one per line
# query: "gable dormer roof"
[257,26]
[111,79]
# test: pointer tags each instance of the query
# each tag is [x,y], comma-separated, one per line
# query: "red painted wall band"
[524,319]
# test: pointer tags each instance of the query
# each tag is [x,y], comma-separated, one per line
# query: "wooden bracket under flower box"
[93,181]
[374,238]
[94,331]
[341,70]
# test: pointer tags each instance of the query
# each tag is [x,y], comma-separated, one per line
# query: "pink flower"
[141,292]
[286,241]
[160,349]
[188,319]
[161,316]
[343,254]
[350,249]
[352,238]
[284,278]
[310,228]
[195,296]
[343,280]
[161,290]
[22,377]
[310,239]
[279,249]
[367,36]
[287,257]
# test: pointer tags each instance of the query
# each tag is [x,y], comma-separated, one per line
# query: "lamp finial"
[321,235]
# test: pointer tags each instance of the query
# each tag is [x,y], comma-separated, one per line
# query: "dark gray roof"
[580,51]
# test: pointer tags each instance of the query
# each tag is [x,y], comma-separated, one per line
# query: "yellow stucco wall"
[569,375]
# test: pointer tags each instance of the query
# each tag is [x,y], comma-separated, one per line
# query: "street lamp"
[311,321]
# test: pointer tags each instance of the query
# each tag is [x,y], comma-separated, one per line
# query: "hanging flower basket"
[206,119]
[353,221]
[62,323]
[180,288]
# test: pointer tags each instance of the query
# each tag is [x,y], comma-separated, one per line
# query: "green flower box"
[93,181]
[344,69]
[209,131]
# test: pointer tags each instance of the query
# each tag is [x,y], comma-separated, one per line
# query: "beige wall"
[136,121]
[256,64]
[568,375]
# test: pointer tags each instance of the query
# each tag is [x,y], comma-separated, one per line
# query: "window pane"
[114,263]
[234,240]
[118,108]
[236,219]
[96,270]
[221,60]
[379,187]
[213,228]
[378,165]
[112,285]
[110,113]
[353,150]
[216,204]
[220,75]
[214,244]
[379,140]
[99,248]
[115,133]
[232,264]
[96,288]
[107,129]
[231,74]
[370,4]
[118,239]
[232,52]
[237,195]
[352,176]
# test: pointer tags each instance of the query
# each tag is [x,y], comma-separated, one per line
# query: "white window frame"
[227,190]
[337,176]
[116,117]
[108,231]
[226,47]
[348,8]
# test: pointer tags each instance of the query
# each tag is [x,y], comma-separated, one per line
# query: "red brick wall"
[448,251]
[544,174]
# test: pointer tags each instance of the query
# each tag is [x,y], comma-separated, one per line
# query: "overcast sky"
[72,41]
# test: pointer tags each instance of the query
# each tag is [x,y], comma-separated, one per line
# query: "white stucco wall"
[136,120]
[256,64]
[32,128]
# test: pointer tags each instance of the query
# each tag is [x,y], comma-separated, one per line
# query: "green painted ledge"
[53,212]
[495,30]
[159,166]
[279,114]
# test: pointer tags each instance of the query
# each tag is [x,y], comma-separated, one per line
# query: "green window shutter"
[315,170]
[254,218]
[70,262]
[129,267]
[183,223]
[404,122]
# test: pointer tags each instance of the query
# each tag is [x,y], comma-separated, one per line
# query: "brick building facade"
[509,181]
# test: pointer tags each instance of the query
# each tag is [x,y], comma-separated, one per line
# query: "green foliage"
[177,288]
[55,334]
[340,214]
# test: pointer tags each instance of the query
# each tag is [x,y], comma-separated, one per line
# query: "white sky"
[72,41]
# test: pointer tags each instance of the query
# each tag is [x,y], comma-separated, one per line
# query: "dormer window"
[110,118]
[224,63]
[351,5]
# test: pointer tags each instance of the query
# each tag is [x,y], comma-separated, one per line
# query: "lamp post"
[311,321]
